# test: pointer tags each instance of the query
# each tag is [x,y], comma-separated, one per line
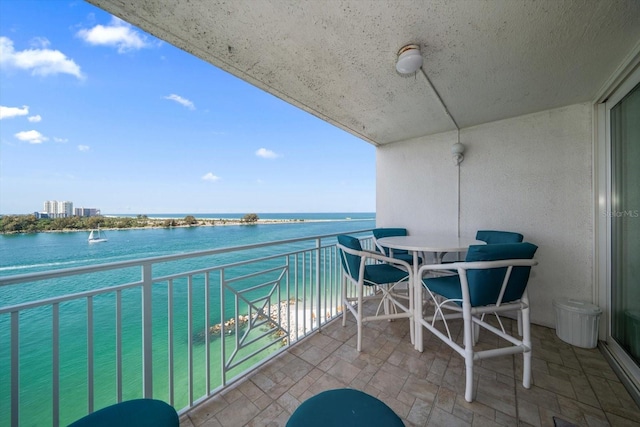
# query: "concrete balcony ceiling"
[488,60]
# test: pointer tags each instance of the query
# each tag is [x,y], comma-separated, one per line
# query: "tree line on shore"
[32,224]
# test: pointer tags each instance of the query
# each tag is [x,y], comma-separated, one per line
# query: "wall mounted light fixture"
[409,62]
[457,150]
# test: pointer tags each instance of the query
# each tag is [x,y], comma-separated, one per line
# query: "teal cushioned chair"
[379,233]
[491,237]
[492,279]
[132,413]
[382,280]
[495,236]
[344,407]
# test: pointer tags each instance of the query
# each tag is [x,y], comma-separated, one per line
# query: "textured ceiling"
[488,60]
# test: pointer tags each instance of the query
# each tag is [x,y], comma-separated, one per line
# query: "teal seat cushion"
[379,274]
[485,284]
[344,407]
[447,286]
[133,413]
[374,274]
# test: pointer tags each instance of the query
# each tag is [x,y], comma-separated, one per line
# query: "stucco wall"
[531,174]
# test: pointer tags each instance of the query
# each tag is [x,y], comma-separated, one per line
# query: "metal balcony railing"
[178,328]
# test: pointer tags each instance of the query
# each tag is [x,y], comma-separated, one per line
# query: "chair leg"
[519,316]
[386,300]
[526,341]
[468,351]
[359,318]
[476,333]
[345,303]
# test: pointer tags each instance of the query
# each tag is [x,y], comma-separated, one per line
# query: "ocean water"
[28,253]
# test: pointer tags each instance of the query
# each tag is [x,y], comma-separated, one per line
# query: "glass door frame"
[624,365]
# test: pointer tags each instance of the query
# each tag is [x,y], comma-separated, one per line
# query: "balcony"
[427,389]
[276,344]
[179,328]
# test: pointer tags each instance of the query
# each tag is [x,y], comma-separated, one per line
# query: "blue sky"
[97,112]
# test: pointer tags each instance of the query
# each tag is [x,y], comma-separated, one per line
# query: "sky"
[97,112]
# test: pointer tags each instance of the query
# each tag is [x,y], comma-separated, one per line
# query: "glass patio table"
[439,245]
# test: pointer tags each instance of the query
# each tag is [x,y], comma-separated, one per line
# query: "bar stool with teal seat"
[493,279]
[387,283]
[379,233]
[344,407]
[132,413]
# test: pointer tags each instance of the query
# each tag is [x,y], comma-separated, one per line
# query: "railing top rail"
[52,274]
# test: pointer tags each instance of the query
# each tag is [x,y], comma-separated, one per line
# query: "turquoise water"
[20,254]
[27,253]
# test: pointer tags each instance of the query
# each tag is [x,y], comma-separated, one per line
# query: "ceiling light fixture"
[409,59]
[409,62]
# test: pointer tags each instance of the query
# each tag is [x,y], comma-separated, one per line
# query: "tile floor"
[427,389]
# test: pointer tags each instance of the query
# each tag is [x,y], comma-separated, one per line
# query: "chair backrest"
[350,262]
[379,233]
[485,284]
[495,236]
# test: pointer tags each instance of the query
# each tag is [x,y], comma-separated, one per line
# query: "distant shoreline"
[173,222]
[214,222]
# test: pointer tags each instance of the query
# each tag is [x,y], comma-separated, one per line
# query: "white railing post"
[15,368]
[223,346]
[119,346]
[147,332]
[55,362]
[190,336]
[90,354]
[318,295]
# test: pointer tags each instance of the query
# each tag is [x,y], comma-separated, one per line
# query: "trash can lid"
[577,306]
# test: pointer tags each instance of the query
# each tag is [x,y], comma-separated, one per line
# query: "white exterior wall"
[65,209]
[530,174]
[51,207]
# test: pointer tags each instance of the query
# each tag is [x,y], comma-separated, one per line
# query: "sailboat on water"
[97,236]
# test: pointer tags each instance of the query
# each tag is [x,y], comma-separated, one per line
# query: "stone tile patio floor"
[427,389]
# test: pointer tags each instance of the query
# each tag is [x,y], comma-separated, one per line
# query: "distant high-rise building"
[56,209]
[50,207]
[86,212]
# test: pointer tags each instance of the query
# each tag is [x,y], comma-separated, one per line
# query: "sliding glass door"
[623,217]
[625,223]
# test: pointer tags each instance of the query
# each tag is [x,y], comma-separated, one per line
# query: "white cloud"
[41,62]
[40,42]
[180,100]
[210,177]
[267,154]
[9,112]
[35,119]
[118,34]
[61,140]
[31,136]
[83,147]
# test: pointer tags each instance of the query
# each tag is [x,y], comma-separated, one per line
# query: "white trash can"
[577,322]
